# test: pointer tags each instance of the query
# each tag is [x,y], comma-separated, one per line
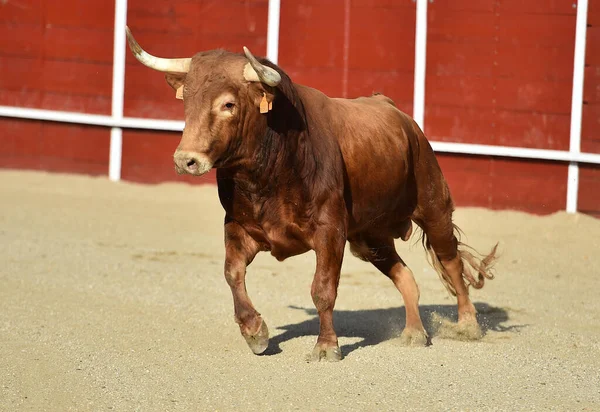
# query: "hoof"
[414,337]
[325,353]
[259,342]
[467,328]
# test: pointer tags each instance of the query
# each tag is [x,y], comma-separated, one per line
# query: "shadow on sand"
[379,325]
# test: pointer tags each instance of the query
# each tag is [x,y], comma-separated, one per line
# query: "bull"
[299,171]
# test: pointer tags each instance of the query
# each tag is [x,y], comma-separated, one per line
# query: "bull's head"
[222,93]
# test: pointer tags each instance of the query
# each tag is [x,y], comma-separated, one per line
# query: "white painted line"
[577,103]
[118,90]
[420,63]
[115,154]
[91,119]
[273,30]
[572,187]
[177,126]
[517,152]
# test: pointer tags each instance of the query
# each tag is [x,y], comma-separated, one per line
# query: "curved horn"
[265,74]
[157,63]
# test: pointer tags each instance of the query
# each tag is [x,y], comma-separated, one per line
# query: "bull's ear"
[176,80]
[262,97]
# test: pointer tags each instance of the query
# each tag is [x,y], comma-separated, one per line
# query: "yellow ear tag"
[270,106]
[179,93]
[264,105]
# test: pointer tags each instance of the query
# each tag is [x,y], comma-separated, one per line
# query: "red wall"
[498,72]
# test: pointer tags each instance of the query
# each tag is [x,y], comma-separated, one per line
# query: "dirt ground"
[112,297]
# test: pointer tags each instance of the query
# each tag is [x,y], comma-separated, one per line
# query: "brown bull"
[299,171]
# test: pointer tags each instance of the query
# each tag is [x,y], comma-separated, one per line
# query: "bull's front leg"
[240,250]
[329,249]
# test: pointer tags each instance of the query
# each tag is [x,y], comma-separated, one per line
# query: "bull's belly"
[394,223]
[284,249]
[281,241]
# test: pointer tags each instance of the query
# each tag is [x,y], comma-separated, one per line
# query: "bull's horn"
[265,74]
[157,63]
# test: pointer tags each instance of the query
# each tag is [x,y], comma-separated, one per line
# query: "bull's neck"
[276,148]
[279,159]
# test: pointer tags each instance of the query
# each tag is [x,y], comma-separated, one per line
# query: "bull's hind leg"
[240,250]
[382,254]
[434,216]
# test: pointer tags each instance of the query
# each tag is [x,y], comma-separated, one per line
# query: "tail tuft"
[471,260]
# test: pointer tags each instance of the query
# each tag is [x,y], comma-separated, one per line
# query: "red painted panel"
[19,137]
[593,13]
[537,29]
[168,108]
[329,81]
[147,94]
[165,16]
[76,103]
[312,35]
[382,38]
[590,128]
[591,85]
[79,44]
[385,4]
[20,40]
[395,84]
[94,14]
[445,25]
[592,46]
[20,73]
[500,127]
[468,179]
[460,91]
[148,158]
[532,129]
[460,59]
[551,63]
[56,101]
[22,12]
[532,186]
[543,96]
[56,43]
[544,7]
[21,98]
[70,78]
[589,189]
[54,147]
[463,5]
[200,19]
[535,187]
[76,78]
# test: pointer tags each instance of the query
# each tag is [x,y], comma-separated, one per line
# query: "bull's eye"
[228,106]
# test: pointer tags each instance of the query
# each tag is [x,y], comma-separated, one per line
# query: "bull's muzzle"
[191,162]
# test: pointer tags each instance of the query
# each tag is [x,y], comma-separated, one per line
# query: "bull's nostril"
[192,165]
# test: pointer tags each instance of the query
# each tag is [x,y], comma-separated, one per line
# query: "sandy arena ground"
[112,297]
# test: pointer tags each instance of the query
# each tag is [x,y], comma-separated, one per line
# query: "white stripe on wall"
[273,30]
[118,90]
[577,104]
[420,63]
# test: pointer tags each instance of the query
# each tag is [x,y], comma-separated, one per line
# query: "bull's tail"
[471,261]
